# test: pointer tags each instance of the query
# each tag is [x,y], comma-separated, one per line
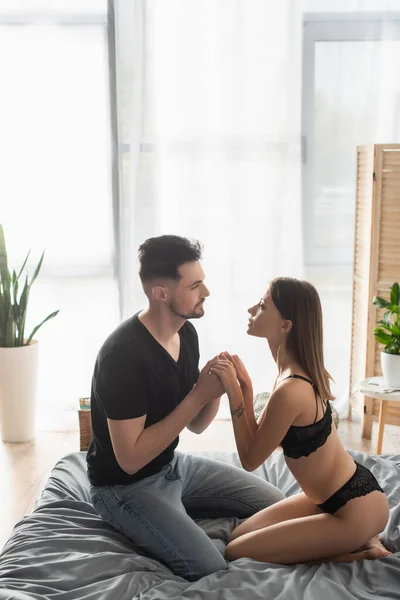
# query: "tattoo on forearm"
[237,412]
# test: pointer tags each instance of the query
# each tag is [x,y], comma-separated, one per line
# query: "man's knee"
[205,565]
[274,495]
[267,494]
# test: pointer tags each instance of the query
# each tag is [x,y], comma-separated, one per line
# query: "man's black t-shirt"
[135,376]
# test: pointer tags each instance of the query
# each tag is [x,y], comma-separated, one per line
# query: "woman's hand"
[227,373]
[241,371]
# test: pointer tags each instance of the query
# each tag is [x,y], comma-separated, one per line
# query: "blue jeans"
[152,511]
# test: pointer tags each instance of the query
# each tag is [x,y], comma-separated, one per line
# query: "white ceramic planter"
[390,364]
[18,377]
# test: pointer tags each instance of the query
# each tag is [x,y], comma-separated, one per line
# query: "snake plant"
[13,305]
[389,332]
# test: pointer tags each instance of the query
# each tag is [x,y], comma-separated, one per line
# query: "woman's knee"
[237,532]
[231,551]
[238,548]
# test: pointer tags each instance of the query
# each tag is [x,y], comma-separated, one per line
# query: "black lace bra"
[303,440]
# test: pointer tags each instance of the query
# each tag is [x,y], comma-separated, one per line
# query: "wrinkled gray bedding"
[63,551]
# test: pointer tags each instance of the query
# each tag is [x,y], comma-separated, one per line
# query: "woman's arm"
[244,436]
[278,415]
[247,392]
[247,388]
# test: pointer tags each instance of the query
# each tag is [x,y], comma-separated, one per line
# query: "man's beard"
[192,315]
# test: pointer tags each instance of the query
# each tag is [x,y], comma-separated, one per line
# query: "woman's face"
[265,319]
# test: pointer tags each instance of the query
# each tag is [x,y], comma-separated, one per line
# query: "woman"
[341,508]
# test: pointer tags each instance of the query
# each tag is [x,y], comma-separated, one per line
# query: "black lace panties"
[359,484]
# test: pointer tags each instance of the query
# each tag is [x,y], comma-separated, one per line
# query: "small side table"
[372,387]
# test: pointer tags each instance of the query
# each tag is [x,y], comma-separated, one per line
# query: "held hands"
[219,375]
[241,371]
[226,372]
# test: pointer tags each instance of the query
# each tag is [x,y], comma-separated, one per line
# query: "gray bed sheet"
[63,551]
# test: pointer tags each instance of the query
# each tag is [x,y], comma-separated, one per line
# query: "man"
[146,388]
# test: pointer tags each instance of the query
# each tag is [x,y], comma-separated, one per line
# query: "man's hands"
[219,375]
[208,386]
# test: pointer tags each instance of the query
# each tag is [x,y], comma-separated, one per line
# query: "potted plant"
[388,334]
[18,354]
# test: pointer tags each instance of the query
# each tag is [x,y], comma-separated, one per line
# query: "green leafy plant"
[389,332]
[13,306]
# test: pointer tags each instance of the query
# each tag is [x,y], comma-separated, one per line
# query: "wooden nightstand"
[373,387]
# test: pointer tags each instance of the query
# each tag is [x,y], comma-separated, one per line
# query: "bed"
[63,551]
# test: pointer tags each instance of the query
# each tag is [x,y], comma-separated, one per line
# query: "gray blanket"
[63,551]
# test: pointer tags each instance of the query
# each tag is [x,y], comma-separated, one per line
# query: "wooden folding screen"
[376,266]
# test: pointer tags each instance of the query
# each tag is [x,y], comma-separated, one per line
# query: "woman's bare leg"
[315,537]
[293,507]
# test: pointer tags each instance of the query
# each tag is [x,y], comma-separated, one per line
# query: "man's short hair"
[162,256]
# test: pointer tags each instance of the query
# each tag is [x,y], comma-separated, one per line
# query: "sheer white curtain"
[238,125]
[209,130]
[55,191]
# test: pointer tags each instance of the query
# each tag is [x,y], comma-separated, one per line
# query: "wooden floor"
[24,468]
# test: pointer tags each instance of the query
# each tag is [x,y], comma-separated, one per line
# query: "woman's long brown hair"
[298,301]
